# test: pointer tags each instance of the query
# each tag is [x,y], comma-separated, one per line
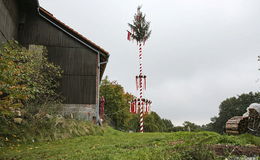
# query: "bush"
[26,77]
[43,127]
[197,152]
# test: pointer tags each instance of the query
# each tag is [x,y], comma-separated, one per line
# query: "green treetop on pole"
[140,28]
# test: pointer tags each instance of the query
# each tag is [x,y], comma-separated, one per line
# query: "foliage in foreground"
[43,127]
[119,145]
[26,77]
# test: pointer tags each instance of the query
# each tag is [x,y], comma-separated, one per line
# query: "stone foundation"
[80,111]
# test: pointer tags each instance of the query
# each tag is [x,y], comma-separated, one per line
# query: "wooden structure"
[82,61]
[248,123]
[237,125]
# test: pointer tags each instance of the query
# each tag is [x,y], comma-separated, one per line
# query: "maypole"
[140,33]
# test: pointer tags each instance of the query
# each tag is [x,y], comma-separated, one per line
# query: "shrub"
[26,77]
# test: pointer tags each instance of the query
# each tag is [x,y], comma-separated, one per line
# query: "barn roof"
[72,31]
[104,54]
[77,36]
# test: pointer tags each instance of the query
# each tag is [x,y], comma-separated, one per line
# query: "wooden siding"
[79,89]
[8,20]
[40,31]
[78,84]
[74,61]
[2,38]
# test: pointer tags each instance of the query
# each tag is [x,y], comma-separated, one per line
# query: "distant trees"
[189,126]
[154,123]
[168,126]
[117,110]
[234,106]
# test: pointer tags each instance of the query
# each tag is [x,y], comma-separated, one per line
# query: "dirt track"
[249,151]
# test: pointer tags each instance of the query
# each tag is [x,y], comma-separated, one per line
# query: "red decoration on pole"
[133,109]
[137,82]
[128,35]
[147,107]
[145,82]
[140,32]
[102,108]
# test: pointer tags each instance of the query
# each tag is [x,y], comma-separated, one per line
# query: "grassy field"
[127,146]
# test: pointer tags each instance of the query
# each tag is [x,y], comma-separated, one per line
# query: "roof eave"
[75,34]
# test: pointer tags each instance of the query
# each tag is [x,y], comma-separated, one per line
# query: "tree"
[234,106]
[169,127]
[140,27]
[26,77]
[154,123]
[189,126]
[117,110]
[117,103]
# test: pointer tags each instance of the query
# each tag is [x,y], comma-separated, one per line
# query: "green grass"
[116,145]
[40,130]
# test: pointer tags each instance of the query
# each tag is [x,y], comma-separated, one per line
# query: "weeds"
[116,145]
[42,123]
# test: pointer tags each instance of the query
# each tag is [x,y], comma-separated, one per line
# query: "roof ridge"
[73,31]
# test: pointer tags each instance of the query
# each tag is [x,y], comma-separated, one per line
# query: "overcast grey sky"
[200,51]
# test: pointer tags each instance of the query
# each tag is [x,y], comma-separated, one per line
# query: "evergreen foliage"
[140,27]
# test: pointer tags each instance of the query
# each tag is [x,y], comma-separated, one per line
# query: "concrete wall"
[80,111]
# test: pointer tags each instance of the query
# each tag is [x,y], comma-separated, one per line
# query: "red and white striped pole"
[141,89]
[140,33]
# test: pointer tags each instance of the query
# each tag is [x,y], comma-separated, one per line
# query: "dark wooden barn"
[82,61]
